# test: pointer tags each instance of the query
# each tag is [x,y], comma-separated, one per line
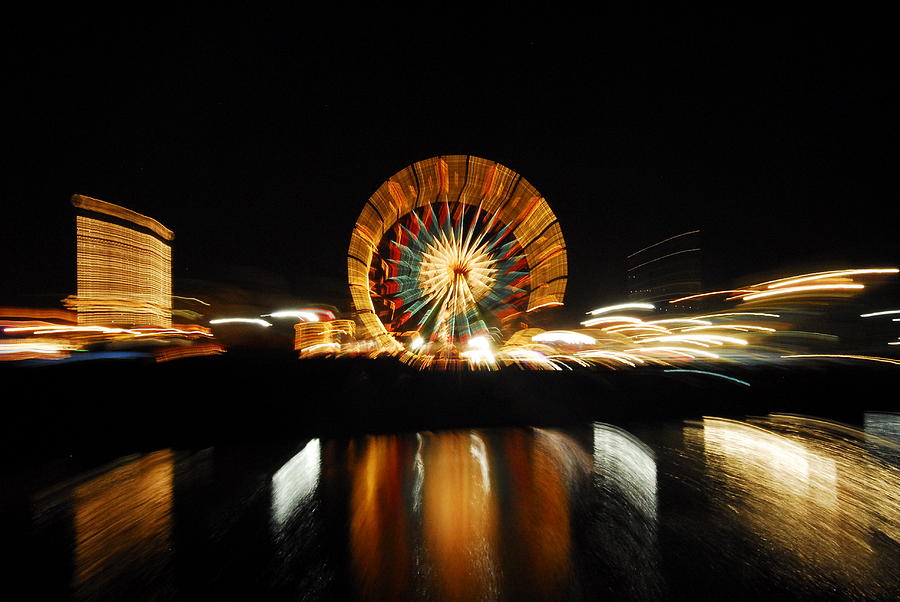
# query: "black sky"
[257,135]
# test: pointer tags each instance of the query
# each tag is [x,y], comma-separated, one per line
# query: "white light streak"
[257,321]
[603,310]
[295,482]
[880,313]
[306,316]
[564,336]
[603,319]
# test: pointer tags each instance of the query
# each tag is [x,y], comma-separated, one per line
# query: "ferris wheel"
[451,246]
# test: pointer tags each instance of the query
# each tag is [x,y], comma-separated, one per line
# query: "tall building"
[666,270]
[124,267]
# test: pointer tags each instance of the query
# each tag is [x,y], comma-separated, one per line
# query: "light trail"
[731,378]
[831,274]
[739,313]
[306,316]
[603,310]
[736,290]
[845,356]
[594,321]
[880,313]
[662,241]
[801,289]
[728,327]
[257,321]
[564,336]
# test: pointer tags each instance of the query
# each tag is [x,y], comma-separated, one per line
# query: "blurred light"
[728,326]
[543,305]
[737,290]
[845,356]
[739,313]
[880,313]
[257,321]
[295,482]
[800,289]
[123,519]
[124,266]
[832,274]
[167,354]
[683,320]
[603,310]
[564,336]
[594,321]
[306,316]
[625,462]
[737,380]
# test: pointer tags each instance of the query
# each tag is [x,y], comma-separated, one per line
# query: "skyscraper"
[665,270]
[124,266]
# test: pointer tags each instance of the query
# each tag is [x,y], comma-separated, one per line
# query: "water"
[782,505]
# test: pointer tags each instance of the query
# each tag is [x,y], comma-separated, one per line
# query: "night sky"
[258,135]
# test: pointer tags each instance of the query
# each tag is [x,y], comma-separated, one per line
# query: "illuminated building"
[320,338]
[124,266]
[451,246]
[665,270]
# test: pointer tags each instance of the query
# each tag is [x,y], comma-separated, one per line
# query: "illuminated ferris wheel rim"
[453,180]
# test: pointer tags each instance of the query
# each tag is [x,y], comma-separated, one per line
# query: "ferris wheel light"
[450,245]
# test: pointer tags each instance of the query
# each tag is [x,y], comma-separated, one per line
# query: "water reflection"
[380,476]
[473,515]
[123,527]
[621,517]
[822,510]
[720,507]
[294,484]
[459,517]
[462,514]
[626,468]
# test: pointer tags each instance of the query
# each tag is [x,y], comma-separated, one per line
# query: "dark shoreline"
[53,409]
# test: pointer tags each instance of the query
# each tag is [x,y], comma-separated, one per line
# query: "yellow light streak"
[740,313]
[845,356]
[830,274]
[737,290]
[603,310]
[801,289]
[681,320]
[699,339]
[621,329]
[594,321]
[728,327]
[690,352]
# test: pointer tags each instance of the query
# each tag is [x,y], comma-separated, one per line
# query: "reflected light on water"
[122,522]
[381,555]
[460,517]
[295,482]
[464,515]
[776,504]
[819,503]
[627,466]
